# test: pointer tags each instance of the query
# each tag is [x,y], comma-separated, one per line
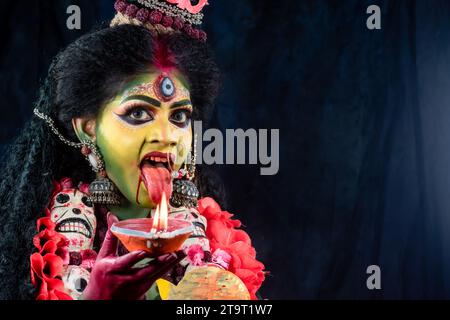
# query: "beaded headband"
[162,16]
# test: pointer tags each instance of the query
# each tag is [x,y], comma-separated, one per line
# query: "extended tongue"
[157,179]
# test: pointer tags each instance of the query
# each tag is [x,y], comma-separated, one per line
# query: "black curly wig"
[82,78]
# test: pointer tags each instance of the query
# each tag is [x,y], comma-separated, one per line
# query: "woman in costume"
[111,138]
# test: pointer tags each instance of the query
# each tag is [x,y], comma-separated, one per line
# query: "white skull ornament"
[74,217]
[75,280]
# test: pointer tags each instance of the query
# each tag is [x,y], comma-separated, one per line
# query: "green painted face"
[151,114]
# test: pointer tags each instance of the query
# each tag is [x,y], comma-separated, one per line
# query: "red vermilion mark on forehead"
[163,57]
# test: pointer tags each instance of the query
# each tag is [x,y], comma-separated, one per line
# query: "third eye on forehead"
[156,103]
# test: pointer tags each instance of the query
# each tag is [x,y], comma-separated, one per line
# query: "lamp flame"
[161,216]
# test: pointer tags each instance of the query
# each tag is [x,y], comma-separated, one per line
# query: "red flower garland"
[222,234]
[47,264]
[53,253]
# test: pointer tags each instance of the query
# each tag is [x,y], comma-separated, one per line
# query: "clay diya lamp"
[157,236]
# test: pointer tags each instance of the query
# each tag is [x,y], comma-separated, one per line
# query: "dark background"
[364,123]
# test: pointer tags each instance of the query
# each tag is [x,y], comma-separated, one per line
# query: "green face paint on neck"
[141,120]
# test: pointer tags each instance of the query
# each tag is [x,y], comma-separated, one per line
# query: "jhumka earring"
[102,190]
[185,193]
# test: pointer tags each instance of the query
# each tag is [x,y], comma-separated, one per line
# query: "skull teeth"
[75,227]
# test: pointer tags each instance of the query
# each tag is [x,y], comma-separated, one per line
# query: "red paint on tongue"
[157,179]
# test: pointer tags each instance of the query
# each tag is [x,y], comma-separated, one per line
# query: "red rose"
[46,267]
[222,235]
[155,17]
[120,6]
[252,279]
[131,10]
[44,270]
[45,223]
[188,30]
[142,15]
[48,234]
[178,23]
[195,34]
[203,36]
[211,210]
[53,289]
[58,248]
[208,206]
[167,21]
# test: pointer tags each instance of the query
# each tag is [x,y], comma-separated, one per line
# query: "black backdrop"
[363,117]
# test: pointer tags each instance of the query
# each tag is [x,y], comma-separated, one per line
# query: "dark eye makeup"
[136,115]
[181,117]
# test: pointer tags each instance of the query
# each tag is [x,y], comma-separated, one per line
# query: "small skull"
[75,280]
[74,217]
